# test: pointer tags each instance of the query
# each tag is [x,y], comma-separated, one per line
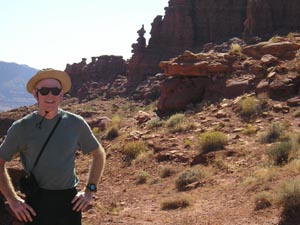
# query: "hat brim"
[61,76]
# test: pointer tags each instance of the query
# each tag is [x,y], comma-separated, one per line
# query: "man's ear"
[61,95]
[35,94]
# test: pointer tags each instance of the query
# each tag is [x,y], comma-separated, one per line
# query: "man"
[57,201]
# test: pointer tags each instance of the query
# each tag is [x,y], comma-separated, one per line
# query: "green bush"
[212,140]
[116,121]
[249,106]
[235,48]
[288,195]
[175,204]
[187,177]
[274,132]
[154,123]
[178,123]
[141,177]
[279,153]
[166,171]
[249,130]
[112,133]
[133,149]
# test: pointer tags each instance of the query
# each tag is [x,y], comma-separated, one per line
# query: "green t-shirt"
[55,169]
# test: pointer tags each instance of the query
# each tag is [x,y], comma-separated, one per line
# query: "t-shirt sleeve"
[11,144]
[87,140]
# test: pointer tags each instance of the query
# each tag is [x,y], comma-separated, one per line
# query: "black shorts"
[54,207]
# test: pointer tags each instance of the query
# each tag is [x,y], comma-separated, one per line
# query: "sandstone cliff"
[195,25]
[189,24]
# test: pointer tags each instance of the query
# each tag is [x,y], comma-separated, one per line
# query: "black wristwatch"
[91,187]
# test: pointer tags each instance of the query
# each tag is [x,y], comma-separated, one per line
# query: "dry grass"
[211,141]
[175,204]
[235,48]
[249,106]
[288,195]
[274,132]
[187,177]
[133,149]
[177,123]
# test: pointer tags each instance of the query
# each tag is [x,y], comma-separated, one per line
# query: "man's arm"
[97,167]
[22,210]
[96,171]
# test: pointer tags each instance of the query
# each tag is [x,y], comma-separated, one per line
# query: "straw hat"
[61,76]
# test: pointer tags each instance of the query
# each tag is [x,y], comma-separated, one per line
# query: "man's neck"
[48,114]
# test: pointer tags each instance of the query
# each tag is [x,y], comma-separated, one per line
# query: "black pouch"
[28,185]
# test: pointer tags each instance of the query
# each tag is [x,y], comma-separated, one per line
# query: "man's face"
[48,95]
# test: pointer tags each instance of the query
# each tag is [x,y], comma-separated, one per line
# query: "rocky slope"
[237,184]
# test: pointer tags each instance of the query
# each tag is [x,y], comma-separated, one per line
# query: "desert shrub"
[263,99]
[249,130]
[265,174]
[141,177]
[187,143]
[172,204]
[274,132]
[235,48]
[112,133]
[178,123]
[142,157]
[249,106]
[294,165]
[95,130]
[292,35]
[263,200]
[288,195]
[260,177]
[175,119]
[296,138]
[279,153]
[187,177]
[219,163]
[212,140]
[154,123]
[166,171]
[116,121]
[133,149]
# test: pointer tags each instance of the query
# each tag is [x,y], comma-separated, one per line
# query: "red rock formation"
[102,71]
[194,25]
[261,69]
[284,50]
[189,24]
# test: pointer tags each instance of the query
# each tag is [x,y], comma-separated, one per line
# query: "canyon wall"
[194,25]
[189,24]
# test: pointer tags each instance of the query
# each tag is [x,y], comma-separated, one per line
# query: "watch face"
[92,187]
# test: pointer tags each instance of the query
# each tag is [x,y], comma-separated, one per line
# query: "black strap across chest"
[46,142]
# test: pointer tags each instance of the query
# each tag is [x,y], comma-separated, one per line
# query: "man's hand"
[81,200]
[22,210]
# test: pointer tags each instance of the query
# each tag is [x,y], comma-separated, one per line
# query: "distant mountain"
[13,79]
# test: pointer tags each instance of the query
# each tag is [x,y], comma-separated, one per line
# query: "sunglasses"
[45,91]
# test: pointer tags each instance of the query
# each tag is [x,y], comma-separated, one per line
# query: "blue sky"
[52,33]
